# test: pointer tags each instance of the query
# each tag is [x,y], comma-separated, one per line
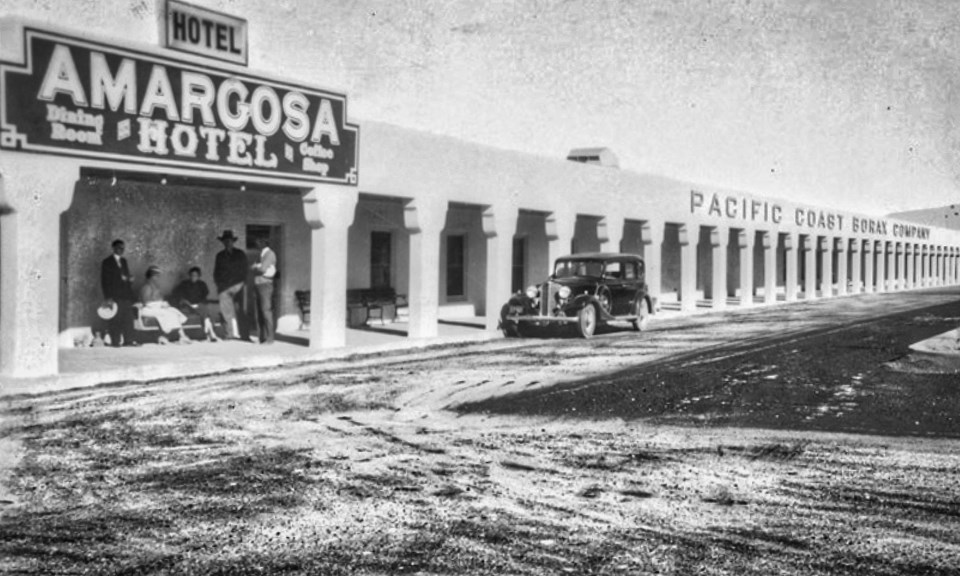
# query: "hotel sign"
[79,98]
[205,32]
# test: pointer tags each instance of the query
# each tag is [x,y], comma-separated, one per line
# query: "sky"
[853,104]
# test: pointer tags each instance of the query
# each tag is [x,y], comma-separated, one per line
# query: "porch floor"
[89,366]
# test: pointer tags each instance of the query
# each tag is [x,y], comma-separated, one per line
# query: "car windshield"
[570,268]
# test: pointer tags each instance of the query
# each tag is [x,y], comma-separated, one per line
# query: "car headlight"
[532,292]
[564,292]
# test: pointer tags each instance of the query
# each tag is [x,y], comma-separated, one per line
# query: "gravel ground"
[683,456]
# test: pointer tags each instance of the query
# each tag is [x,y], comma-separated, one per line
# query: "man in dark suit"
[117,286]
[230,275]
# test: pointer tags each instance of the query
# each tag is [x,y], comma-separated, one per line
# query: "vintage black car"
[584,290]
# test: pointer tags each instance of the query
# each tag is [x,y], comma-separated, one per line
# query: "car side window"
[630,271]
[613,270]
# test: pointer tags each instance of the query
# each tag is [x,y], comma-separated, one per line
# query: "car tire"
[642,313]
[510,328]
[587,321]
[605,299]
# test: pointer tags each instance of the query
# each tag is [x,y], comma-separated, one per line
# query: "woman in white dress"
[154,306]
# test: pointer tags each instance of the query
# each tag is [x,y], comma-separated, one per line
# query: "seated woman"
[154,306]
[191,296]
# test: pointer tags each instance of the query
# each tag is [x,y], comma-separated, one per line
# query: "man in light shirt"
[265,271]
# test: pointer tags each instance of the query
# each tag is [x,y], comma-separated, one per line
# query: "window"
[380,263]
[613,270]
[519,263]
[456,249]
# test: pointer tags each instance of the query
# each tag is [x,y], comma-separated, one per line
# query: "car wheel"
[605,299]
[510,328]
[587,321]
[642,313]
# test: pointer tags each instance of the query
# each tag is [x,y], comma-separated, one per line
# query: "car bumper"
[542,320]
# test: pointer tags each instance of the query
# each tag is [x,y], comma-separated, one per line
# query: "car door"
[633,279]
[613,276]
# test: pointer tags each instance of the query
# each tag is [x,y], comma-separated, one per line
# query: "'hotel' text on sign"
[78,98]
[205,32]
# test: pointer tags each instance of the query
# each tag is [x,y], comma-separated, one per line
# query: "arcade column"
[34,191]
[790,255]
[424,219]
[881,250]
[869,274]
[938,266]
[902,266]
[499,226]
[922,267]
[894,255]
[719,236]
[908,262]
[688,234]
[329,210]
[561,227]
[826,266]
[810,247]
[840,245]
[770,266]
[745,241]
[610,233]
[651,234]
[856,271]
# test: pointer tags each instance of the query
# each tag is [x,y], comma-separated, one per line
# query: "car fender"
[578,302]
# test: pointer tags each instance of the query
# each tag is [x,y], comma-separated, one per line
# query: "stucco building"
[105,138]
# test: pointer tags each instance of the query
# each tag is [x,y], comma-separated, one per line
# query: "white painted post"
[856,285]
[330,211]
[561,226]
[610,233]
[745,241]
[34,191]
[719,236]
[911,264]
[790,247]
[826,267]
[499,226]
[651,234]
[843,279]
[770,240]
[810,247]
[868,273]
[424,219]
[688,234]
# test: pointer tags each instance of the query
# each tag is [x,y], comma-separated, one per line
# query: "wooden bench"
[148,330]
[363,304]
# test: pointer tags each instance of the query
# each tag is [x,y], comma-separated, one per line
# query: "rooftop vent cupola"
[598,156]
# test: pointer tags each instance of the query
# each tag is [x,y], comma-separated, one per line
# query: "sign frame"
[11,139]
[235,21]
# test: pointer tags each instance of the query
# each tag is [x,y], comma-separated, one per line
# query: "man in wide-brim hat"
[230,275]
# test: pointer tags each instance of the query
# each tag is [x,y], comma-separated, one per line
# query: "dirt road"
[720,444]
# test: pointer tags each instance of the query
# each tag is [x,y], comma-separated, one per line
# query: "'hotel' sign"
[84,98]
[205,32]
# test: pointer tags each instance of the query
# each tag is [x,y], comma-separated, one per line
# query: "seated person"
[191,296]
[154,306]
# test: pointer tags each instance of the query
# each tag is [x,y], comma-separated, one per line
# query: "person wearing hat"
[169,318]
[117,286]
[230,275]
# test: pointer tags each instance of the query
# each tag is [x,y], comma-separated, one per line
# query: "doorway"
[273,234]
[381,261]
